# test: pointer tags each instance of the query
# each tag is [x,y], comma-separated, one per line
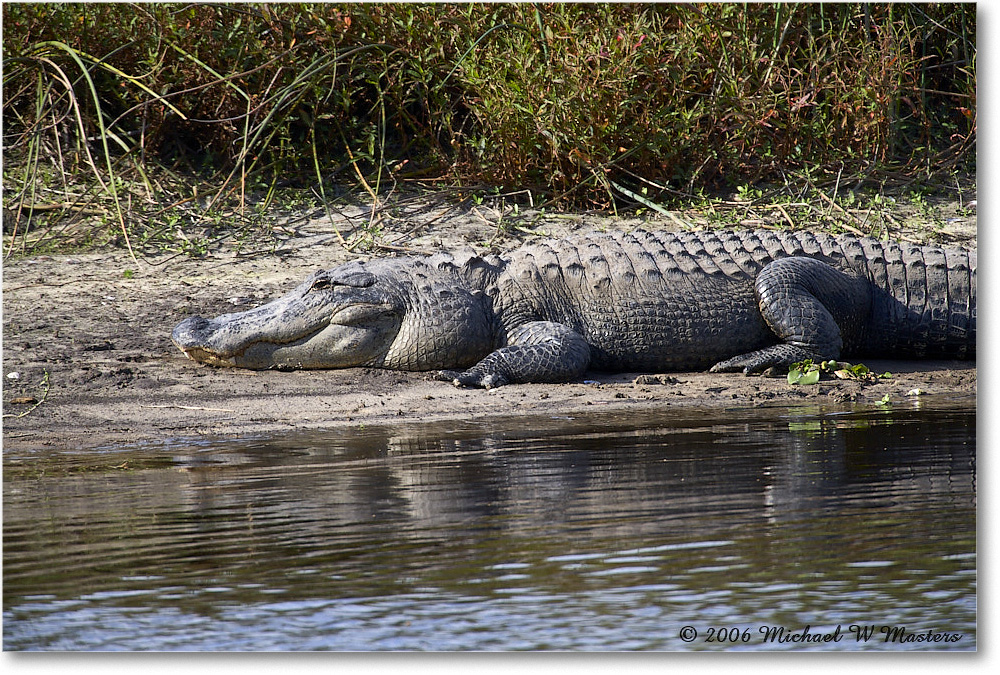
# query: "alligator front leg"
[539,351]
[810,306]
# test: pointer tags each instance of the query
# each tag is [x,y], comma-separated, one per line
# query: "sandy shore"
[89,337]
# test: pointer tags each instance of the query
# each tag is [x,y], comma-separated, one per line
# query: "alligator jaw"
[243,339]
[356,334]
[259,350]
[204,356]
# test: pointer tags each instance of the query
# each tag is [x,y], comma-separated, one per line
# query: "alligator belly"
[654,338]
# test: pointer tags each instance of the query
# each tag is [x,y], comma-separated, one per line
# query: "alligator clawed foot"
[448,376]
[471,379]
[732,366]
[765,361]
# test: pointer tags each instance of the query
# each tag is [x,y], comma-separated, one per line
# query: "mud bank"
[88,362]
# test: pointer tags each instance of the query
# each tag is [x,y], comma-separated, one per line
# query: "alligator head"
[393,313]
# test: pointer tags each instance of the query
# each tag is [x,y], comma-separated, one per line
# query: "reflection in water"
[592,533]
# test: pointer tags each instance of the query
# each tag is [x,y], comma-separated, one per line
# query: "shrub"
[573,101]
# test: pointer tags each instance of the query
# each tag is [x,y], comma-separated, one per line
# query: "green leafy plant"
[804,372]
[807,372]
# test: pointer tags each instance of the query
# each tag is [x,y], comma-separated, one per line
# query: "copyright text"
[860,633]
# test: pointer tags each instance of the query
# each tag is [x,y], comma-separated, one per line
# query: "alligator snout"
[191,332]
[193,336]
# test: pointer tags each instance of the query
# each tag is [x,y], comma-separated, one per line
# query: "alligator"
[642,301]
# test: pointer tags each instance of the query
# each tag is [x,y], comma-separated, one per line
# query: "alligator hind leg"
[538,351]
[810,306]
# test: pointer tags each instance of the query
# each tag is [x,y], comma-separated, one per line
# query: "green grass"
[123,111]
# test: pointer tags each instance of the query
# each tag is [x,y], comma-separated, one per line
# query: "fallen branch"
[188,407]
[45,383]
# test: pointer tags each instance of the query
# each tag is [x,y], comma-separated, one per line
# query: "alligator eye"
[320,283]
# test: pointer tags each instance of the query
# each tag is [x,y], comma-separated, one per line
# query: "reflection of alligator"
[645,301]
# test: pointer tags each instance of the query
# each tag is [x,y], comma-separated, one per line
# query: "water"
[699,530]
